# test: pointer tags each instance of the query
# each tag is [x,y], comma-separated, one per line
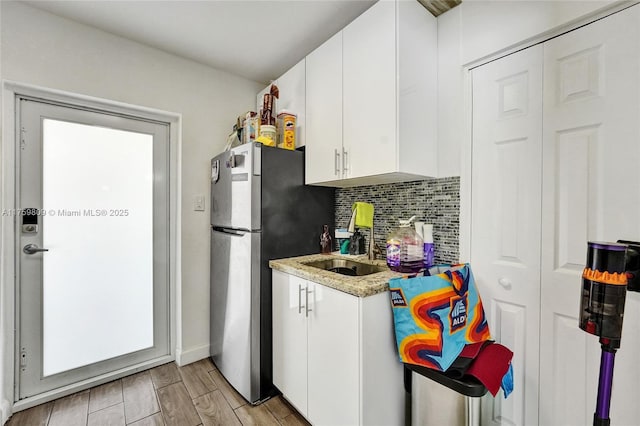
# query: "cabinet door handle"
[337,162]
[345,160]
[299,298]
[306,297]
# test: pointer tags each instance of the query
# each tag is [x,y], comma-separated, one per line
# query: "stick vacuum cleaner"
[611,270]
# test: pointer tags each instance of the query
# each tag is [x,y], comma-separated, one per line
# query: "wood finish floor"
[193,395]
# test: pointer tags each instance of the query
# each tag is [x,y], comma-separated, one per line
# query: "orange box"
[287,130]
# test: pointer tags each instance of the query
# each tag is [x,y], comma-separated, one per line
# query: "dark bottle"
[325,240]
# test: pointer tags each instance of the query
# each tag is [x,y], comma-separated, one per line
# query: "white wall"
[478,30]
[489,26]
[5,338]
[450,94]
[41,49]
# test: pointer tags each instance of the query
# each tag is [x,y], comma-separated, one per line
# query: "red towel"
[490,366]
[461,364]
[472,350]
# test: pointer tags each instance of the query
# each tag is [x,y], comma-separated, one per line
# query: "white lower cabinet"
[290,339]
[334,356]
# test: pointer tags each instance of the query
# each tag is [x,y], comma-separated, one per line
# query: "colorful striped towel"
[436,316]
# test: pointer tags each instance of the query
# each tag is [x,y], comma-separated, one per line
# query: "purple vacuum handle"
[601,416]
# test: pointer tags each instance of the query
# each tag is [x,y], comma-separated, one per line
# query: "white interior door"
[93,252]
[590,192]
[506,198]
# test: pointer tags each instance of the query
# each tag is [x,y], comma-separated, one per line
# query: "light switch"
[198,203]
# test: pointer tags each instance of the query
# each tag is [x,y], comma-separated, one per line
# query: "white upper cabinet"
[369,96]
[416,89]
[323,154]
[387,99]
[292,98]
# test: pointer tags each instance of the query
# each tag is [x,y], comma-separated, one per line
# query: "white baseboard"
[5,411]
[32,401]
[184,357]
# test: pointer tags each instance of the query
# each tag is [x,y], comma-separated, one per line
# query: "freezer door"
[235,309]
[235,188]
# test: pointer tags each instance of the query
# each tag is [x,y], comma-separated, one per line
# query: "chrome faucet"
[374,249]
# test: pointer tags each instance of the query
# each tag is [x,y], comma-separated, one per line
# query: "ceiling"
[438,7]
[258,39]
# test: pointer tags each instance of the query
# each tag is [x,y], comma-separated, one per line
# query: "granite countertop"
[362,286]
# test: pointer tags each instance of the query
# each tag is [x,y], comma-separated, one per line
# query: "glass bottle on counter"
[405,250]
[325,240]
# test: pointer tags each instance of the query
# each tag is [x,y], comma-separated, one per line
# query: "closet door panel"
[506,200]
[591,192]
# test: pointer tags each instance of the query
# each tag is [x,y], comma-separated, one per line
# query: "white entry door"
[591,191]
[505,243]
[93,245]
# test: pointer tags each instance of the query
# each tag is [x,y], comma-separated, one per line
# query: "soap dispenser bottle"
[427,236]
[405,250]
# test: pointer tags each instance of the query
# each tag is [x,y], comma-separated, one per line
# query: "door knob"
[504,282]
[32,249]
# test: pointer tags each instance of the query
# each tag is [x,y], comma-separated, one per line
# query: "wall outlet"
[198,203]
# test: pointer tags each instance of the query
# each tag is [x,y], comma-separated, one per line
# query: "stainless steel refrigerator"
[260,210]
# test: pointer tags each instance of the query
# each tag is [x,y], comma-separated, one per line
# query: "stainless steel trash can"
[438,400]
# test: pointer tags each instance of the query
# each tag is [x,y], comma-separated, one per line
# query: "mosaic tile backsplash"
[434,201]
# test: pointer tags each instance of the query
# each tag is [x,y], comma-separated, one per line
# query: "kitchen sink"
[347,267]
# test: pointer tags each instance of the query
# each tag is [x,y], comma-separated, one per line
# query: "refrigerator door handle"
[232,232]
[215,171]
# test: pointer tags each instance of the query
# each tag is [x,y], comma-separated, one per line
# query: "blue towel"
[507,382]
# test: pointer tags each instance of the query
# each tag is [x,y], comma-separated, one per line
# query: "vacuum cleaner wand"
[611,270]
[605,383]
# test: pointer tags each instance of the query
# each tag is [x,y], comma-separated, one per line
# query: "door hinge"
[23,359]
[22,138]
